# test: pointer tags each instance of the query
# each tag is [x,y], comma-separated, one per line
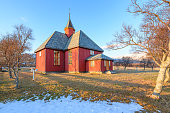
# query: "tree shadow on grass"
[29,90]
[135,71]
[116,82]
[121,93]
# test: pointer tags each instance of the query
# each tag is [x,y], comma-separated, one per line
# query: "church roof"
[56,41]
[61,42]
[99,57]
[80,39]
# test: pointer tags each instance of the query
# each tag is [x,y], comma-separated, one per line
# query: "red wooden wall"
[104,68]
[97,66]
[40,60]
[83,55]
[74,67]
[50,61]
[79,64]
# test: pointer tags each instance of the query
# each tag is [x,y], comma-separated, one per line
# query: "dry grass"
[121,87]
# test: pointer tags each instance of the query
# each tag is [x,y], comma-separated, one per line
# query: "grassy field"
[125,86]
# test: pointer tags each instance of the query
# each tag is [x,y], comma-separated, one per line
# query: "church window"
[104,63]
[91,52]
[69,57]
[40,53]
[56,57]
[92,63]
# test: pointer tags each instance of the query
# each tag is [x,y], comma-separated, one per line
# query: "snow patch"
[67,105]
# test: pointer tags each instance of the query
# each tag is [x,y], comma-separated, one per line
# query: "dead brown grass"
[120,87]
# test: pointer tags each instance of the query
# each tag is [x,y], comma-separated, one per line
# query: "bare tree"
[1,61]
[144,62]
[14,45]
[153,37]
[125,61]
[28,60]
[22,35]
[150,63]
[7,45]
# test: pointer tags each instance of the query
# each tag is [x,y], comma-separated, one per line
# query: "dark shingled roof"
[80,39]
[56,41]
[99,57]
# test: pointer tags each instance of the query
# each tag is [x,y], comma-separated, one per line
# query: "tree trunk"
[9,71]
[166,76]
[17,82]
[152,68]
[16,78]
[124,68]
[160,79]
[17,74]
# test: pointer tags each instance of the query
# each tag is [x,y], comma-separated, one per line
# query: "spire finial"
[69,13]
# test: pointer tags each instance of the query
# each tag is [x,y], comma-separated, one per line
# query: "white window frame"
[91,52]
[70,57]
[40,53]
[58,57]
[92,63]
[105,63]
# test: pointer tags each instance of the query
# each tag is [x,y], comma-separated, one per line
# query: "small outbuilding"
[99,63]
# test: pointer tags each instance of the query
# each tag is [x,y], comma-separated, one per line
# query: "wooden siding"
[74,67]
[50,61]
[83,55]
[40,60]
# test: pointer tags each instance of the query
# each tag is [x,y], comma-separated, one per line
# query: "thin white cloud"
[136,56]
[112,45]
[104,47]
[23,19]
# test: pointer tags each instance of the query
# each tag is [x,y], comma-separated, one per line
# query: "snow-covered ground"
[67,105]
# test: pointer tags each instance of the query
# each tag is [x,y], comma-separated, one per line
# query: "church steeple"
[69,29]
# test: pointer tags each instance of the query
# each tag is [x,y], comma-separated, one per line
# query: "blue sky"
[99,19]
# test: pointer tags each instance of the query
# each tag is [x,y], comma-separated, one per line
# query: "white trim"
[40,53]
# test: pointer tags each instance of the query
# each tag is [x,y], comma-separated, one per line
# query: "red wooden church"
[71,52]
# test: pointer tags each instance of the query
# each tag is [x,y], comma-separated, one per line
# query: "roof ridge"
[79,37]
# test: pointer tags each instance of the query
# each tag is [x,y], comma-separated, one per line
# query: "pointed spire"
[69,23]
[69,29]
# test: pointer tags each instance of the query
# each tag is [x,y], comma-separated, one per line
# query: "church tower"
[69,29]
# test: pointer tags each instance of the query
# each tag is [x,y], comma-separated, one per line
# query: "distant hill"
[134,56]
